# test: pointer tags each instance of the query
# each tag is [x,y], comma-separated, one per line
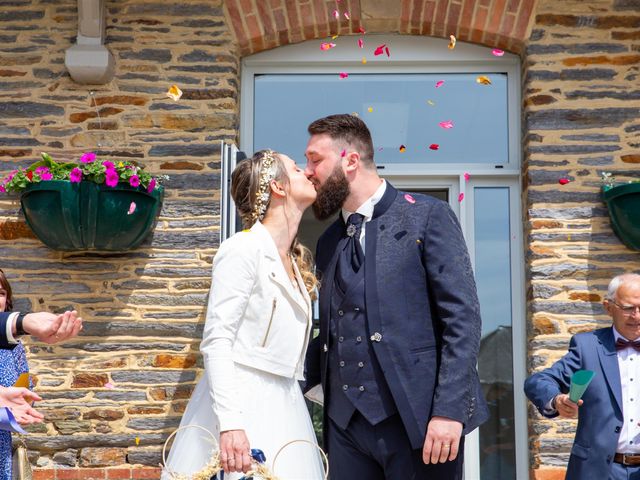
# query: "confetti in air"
[452,42]
[402,148]
[496,52]
[461,197]
[434,146]
[482,80]
[564,181]
[174,93]
[327,46]
[447,124]
[439,83]
[343,74]
[466,177]
[132,208]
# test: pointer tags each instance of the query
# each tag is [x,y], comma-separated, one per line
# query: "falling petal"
[434,146]
[334,37]
[447,124]
[364,60]
[174,93]
[327,46]
[361,43]
[439,83]
[109,385]
[563,181]
[386,50]
[370,109]
[343,153]
[482,80]
[132,208]
[346,15]
[452,42]
[361,30]
[409,198]
[460,197]
[466,177]
[431,102]
[379,50]
[344,74]
[380,149]
[402,148]
[496,52]
[137,440]
[336,14]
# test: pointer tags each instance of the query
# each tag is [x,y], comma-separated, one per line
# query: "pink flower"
[108,165]
[112,178]
[152,185]
[2,189]
[134,181]
[88,157]
[44,173]
[75,176]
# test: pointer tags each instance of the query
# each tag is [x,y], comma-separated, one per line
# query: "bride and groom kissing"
[394,363]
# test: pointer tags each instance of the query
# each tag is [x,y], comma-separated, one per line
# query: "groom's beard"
[331,195]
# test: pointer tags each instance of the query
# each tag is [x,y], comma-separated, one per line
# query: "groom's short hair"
[347,128]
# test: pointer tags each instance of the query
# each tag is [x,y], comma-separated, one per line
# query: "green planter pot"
[87,216]
[623,202]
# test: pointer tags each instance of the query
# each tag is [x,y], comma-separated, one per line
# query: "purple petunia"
[152,185]
[75,176]
[45,173]
[88,157]
[134,181]
[112,178]
[108,165]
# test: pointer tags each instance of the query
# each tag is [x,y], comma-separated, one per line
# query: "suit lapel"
[609,362]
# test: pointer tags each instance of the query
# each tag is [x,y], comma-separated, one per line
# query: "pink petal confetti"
[109,385]
[447,124]
[460,197]
[496,52]
[132,208]
[434,146]
[343,74]
[346,15]
[336,14]
[452,42]
[361,43]
[402,148]
[343,153]
[409,198]
[466,176]
[327,46]
[379,50]
[564,181]
[439,83]
[361,30]
[386,50]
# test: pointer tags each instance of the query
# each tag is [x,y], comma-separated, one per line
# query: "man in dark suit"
[399,318]
[607,441]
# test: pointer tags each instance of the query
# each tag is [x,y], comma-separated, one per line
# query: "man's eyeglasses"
[627,309]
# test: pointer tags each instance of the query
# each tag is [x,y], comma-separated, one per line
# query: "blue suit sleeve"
[454,300]
[542,386]
[4,342]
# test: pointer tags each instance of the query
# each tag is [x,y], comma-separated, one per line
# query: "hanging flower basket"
[623,201]
[89,205]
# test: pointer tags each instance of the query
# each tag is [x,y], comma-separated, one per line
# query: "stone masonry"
[114,394]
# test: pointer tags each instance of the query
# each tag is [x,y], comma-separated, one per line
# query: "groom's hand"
[442,441]
[235,451]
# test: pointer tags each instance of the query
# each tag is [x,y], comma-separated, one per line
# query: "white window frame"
[410,55]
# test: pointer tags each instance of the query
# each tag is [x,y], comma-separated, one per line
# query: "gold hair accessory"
[267,174]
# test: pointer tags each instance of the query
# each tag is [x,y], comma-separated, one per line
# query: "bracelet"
[19,328]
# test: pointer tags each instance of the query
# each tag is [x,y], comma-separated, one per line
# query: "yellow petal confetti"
[334,37]
[370,109]
[402,148]
[23,381]
[364,60]
[452,42]
[137,440]
[174,93]
[482,80]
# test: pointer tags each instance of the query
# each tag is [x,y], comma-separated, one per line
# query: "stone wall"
[582,117]
[115,393]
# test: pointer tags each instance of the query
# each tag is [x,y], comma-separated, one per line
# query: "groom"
[399,318]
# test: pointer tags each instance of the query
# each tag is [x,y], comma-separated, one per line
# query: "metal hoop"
[171,473]
[325,460]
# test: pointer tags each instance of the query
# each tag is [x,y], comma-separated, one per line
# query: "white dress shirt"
[366,210]
[629,363]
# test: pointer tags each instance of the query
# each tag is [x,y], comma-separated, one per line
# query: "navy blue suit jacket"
[600,417]
[421,297]
[4,342]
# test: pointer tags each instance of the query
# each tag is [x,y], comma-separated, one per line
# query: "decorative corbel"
[89,61]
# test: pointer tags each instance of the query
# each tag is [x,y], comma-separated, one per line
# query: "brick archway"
[265,24]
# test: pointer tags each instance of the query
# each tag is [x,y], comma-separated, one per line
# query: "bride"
[256,333]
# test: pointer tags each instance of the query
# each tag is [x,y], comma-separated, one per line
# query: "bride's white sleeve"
[233,277]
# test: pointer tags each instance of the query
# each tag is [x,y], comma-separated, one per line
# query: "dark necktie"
[622,344]
[353,248]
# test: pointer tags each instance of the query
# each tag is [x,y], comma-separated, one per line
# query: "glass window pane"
[495,361]
[400,109]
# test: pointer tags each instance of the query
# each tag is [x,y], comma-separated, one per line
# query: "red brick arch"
[264,24]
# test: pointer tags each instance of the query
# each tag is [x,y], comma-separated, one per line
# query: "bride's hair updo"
[251,192]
